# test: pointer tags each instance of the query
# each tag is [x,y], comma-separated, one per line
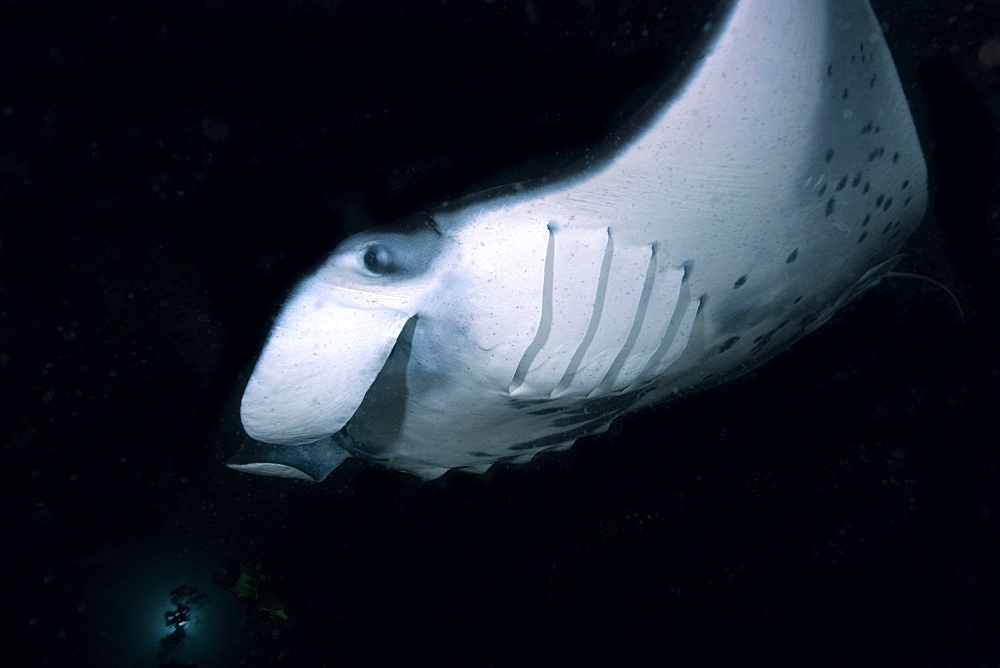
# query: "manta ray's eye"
[376,259]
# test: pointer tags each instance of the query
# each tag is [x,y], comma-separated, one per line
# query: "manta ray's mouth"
[356,448]
[374,429]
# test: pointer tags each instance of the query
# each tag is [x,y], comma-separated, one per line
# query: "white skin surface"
[757,201]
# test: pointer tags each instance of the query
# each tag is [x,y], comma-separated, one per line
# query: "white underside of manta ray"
[779,181]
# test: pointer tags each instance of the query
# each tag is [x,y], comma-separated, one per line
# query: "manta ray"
[776,183]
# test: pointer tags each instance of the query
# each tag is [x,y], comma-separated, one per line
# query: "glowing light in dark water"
[164,608]
[181,619]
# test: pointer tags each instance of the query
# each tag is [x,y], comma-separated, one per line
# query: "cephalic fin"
[311,461]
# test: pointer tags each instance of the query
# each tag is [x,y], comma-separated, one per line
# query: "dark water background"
[168,169]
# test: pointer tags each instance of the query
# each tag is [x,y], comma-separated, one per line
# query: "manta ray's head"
[336,331]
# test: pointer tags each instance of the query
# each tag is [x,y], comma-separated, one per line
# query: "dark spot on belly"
[808,319]
[546,411]
[730,342]
[562,437]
